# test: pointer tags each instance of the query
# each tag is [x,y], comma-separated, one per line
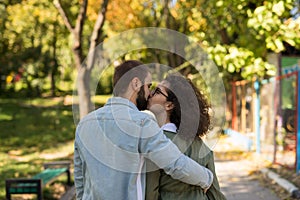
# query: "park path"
[237,184]
[234,174]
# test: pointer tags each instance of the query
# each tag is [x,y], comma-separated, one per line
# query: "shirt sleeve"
[78,172]
[155,146]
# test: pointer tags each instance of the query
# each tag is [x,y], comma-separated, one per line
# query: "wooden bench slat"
[23,190]
[48,174]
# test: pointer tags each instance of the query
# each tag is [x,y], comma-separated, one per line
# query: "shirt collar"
[169,127]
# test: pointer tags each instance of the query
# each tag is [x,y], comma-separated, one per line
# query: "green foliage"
[238,35]
[273,24]
[241,61]
[32,44]
[105,82]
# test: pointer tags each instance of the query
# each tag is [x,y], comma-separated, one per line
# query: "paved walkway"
[236,184]
[234,174]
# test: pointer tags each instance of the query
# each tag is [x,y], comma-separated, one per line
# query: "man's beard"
[141,101]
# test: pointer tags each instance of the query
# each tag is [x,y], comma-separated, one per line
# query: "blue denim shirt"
[111,144]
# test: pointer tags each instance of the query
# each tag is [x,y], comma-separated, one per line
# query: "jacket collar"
[121,101]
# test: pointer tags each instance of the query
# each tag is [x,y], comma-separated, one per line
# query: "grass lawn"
[32,132]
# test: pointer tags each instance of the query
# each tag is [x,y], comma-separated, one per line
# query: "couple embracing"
[123,153]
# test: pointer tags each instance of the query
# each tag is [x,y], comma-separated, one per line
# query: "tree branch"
[80,18]
[96,34]
[63,14]
[166,12]
[100,22]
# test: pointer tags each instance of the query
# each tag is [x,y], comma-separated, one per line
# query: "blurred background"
[255,45]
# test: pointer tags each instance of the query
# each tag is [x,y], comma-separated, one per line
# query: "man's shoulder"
[144,117]
[89,117]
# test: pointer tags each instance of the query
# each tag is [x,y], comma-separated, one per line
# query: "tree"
[273,22]
[26,50]
[84,71]
[237,34]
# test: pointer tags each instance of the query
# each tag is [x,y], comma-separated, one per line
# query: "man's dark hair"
[131,69]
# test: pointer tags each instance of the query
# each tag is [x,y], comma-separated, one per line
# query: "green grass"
[34,131]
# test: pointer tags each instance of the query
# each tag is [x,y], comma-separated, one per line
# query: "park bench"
[35,184]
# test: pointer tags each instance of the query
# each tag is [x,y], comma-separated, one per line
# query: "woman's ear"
[169,105]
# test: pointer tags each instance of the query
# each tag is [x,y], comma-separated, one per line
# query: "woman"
[183,113]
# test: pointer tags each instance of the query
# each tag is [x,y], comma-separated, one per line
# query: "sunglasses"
[158,91]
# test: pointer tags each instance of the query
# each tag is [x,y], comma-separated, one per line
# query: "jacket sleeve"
[155,146]
[214,191]
[78,172]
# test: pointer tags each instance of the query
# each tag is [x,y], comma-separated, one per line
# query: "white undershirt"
[139,181]
[169,127]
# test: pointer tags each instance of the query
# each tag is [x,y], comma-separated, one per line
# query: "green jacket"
[161,186]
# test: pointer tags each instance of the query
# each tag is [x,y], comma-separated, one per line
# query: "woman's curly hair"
[191,107]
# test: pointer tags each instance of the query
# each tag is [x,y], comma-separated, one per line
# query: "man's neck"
[130,96]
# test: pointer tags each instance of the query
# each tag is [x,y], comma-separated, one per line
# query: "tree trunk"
[243,109]
[53,73]
[84,94]
[55,64]
[84,70]
[83,77]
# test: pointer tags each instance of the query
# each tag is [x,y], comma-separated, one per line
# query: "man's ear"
[169,105]
[135,84]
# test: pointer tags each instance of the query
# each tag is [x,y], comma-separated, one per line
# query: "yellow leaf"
[231,68]
[219,3]
[279,44]
[278,8]
[9,79]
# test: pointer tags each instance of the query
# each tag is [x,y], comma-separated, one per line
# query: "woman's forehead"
[162,86]
[164,83]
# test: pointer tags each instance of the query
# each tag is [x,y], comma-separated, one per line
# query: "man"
[112,142]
